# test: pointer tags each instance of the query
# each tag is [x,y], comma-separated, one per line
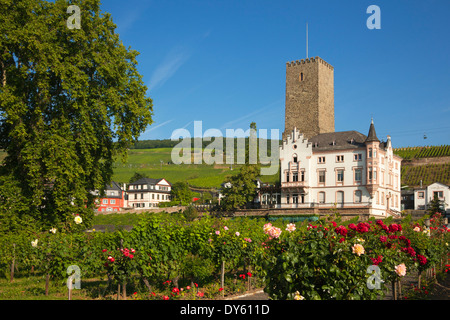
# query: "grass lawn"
[33,288]
[154,163]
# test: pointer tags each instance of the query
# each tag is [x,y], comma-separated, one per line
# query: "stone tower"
[309,97]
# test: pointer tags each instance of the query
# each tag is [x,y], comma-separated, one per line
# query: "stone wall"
[345,213]
[309,97]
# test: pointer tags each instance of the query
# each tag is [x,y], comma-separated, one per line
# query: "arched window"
[294,158]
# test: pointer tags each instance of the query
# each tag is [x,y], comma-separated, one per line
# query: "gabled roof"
[113,186]
[148,181]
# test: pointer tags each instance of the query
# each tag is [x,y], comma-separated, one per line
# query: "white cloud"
[159,125]
[171,63]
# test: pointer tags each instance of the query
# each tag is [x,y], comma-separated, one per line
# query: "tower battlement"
[309,60]
[309,97]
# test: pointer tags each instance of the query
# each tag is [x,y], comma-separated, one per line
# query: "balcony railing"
[293,184]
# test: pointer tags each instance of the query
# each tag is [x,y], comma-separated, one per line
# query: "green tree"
[136,176]
[190,213]
[240,189]
[181,193]
[71,102]
[435,205]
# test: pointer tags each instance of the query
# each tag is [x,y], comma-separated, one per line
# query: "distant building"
[148,193]
[113,200]
[423,196]
[407,199]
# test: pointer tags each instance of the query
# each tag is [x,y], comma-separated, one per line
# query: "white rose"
[78,220]
[34,243]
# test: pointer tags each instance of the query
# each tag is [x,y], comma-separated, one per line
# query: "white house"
[148,193]
[423,195]
[344,169]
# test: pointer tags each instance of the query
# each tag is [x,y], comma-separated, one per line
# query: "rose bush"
[331,261]
[324,260]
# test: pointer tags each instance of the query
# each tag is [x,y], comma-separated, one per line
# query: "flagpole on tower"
[307,40]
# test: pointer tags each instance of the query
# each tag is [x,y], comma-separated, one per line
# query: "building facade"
[339,169]
[423,196]
[113,200]
[148,193]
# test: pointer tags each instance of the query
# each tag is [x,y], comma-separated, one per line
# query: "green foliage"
[241,189]
[190,213]
[320,262]
[423,152]
[181,194]
[316,259]
[436,205]
[71,101]
[428,174]
[136,176]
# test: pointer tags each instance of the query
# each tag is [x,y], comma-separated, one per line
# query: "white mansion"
[148,193]
[338,169]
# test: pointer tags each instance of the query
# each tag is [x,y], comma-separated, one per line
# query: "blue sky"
[224,62]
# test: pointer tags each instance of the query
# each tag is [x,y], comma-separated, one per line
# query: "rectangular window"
[321,197]
[295,198]
[112,201]
[321,176]
[302,176]
[439,194]
[105,201]
[287,199]
[295,176]
[287,176]
[370,152]
[321,159]
[357,157]
[370,174]
[340,176]
[142,196]
[340,158]
[358,175]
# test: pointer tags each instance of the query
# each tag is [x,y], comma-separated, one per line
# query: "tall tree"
[71,101]
[240,188]
[181,193]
